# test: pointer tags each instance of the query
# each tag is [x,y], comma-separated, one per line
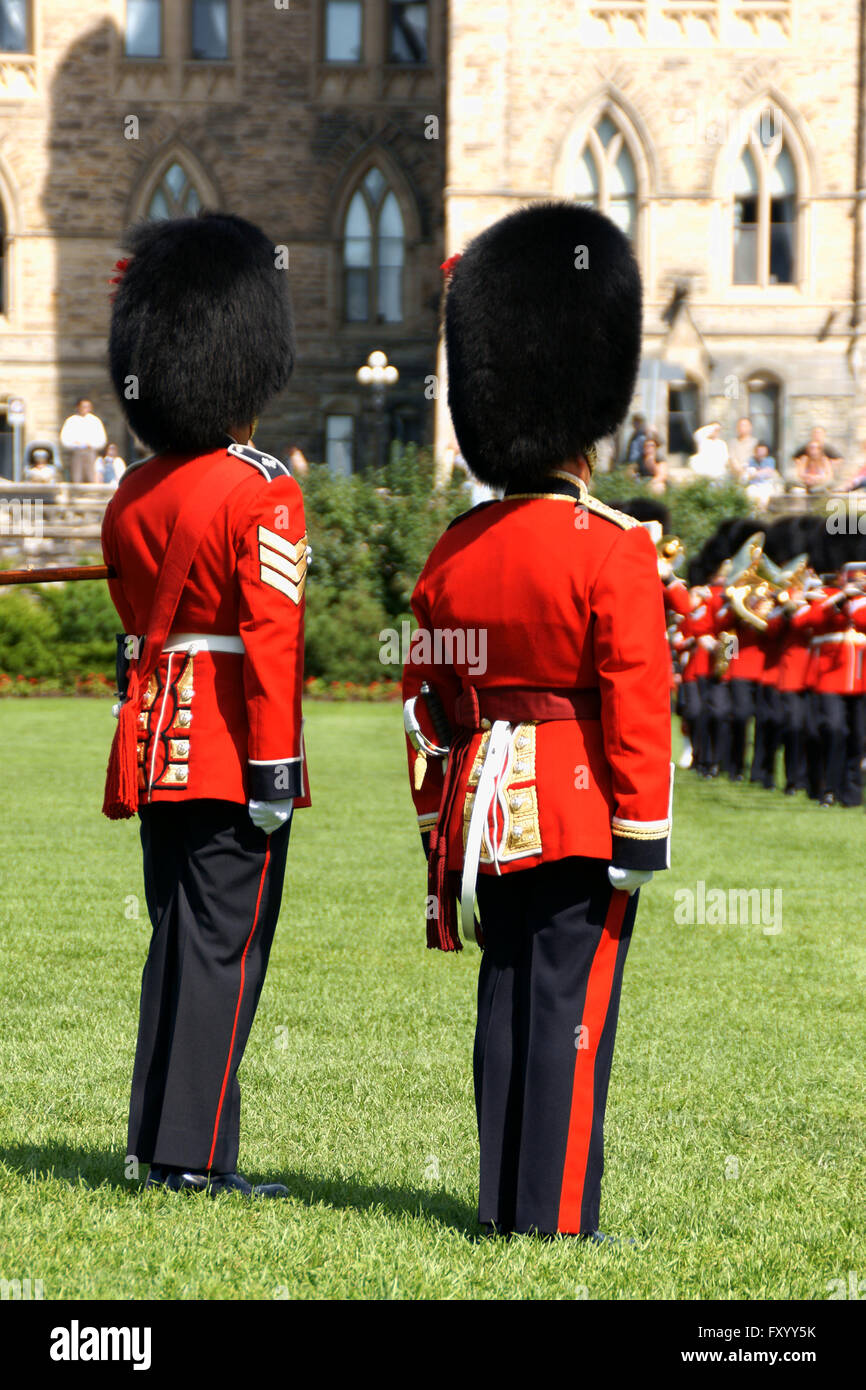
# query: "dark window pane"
[343,31]
[357,296]
[782,225]
[408,34]
[340,444]
[745,241]
[682,419]
[763,411]
[210,29]
[143,28]
[13,26]
[390,294]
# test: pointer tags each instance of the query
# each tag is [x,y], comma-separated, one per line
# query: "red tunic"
[677,598]
[702,625]
[793,652]
[838,647]
[749,653]
[555,593]
[218,724]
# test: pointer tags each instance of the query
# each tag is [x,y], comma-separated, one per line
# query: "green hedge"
[370,534]
[696,508]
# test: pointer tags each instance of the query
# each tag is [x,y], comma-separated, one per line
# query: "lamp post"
[378,373]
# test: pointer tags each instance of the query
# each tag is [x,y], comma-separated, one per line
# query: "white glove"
[629,880]
[270,815]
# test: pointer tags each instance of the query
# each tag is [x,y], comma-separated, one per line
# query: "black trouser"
[694,710]
[556,938]
[213,884]
[855,747]
[718,702]
[742,697]
[794,737]
[769,719]
[836,732]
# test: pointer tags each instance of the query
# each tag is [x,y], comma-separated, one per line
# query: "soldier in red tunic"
[208,544]
[541,660]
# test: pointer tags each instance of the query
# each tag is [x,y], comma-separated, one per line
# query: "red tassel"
[442,933]
[121,779]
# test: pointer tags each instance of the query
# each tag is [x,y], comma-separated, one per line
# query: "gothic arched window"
[373,253]
[174,196]
[605,175]
[4,264]
[765,207]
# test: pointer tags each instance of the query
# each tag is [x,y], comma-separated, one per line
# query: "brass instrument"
[750,594]
[722,652]
[671,555]
[670,551]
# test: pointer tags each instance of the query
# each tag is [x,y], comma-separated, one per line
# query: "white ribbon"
[496,758]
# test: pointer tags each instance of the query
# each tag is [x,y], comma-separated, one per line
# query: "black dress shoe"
[213,1184]
[491,1229]
[593,1237]
[236,1182]
[599,1238]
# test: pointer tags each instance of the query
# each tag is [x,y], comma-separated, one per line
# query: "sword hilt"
[438,717]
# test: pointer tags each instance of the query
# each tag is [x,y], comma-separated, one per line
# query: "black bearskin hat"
[646,509]
[542,334]
[788,537]
[722,545]
[201,333]
[831,549]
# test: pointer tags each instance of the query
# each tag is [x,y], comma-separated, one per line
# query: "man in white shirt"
[83,434]
[711,459]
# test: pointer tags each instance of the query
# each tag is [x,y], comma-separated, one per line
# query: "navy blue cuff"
[275,781]
[631,853]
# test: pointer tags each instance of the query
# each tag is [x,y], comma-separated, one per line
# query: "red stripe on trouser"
[238,1005]
[598,989]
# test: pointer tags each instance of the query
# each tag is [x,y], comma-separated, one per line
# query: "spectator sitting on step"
[634,447]
[40,467]
[858,479]
[819,436]
[111,467]
[652,463]
[814,468]
[760,476]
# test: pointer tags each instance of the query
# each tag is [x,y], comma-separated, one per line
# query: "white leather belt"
[495,761]
[203,642]
[856,639]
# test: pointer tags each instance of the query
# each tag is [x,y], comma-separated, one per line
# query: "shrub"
[696,508]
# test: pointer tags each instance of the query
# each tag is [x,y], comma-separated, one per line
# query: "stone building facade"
[319,120]
[374,138]
[727,136]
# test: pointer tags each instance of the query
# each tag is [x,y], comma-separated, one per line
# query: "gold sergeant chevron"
[282,564]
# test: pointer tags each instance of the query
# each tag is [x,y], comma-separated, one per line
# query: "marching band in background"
[769,629]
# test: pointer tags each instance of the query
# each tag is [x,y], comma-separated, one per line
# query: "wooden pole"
[55,573]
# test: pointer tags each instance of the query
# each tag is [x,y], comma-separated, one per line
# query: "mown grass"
[734,1132]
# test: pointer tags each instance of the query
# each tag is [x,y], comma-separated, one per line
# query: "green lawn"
[735,1122]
